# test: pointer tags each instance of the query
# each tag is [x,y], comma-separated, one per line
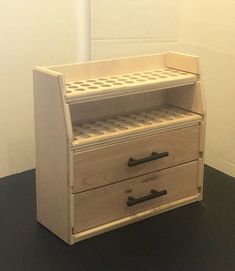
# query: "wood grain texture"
[109,67]
[105,204]
[187,97]
[86,130]
[109,164]
[126,84]
[132,219]
[119,105]
[51,154]
[114,129]
[183,62]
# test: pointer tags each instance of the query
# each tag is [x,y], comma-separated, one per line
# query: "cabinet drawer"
[115,201]
[109,164]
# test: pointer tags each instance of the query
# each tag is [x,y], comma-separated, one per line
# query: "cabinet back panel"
[93,69]
[98,109]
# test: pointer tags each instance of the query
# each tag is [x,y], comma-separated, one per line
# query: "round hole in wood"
[140,80]
[145,76]
[92,87]
[98,133]
[80,89]
[151,78]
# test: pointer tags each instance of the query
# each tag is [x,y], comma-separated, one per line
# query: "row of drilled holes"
[107,82]
[125,122]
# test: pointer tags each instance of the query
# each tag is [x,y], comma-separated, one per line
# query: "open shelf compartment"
[98,80]
[130,125]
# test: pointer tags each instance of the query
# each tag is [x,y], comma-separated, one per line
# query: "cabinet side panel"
[187,97]
[51,154]
[183,62]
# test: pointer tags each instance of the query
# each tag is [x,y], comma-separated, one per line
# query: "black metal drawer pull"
[154,156]
[153,194]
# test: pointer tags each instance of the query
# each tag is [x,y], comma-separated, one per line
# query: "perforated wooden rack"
[128,125]
[121,84]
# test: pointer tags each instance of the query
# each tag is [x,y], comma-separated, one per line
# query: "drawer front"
[115,201]
[109,164]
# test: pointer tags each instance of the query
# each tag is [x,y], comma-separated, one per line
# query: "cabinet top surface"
[97,80]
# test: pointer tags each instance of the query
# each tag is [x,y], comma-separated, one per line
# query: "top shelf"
[125,84]
[97,80]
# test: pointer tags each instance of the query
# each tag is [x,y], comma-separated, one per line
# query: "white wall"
[42,33]
[126,27]
[32,33]
[204,28]
[207,28]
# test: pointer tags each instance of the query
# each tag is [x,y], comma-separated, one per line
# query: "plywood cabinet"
[117,141]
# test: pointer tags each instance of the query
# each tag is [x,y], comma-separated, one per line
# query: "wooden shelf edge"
[131,136]
[125,91]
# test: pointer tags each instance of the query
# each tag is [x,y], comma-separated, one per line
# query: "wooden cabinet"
[117,141]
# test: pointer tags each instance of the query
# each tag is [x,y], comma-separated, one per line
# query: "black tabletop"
[199,236]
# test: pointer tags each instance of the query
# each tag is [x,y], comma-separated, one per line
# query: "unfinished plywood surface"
[51,155]
[106,130]
[183,62]
[93,133]
[102,205]
[109,67]
[123,84]
[115,106]
[133,218]
[98,167]
[187,97]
